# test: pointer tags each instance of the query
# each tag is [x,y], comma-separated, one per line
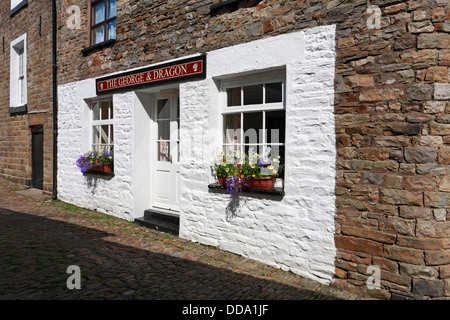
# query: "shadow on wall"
[36,252]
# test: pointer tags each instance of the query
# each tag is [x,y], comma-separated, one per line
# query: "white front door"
[166,153]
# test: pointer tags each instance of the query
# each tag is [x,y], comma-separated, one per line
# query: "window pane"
[275,126]
[163,109]
[98,12]
[111,134]
[163,129]
[232,128]
[234,97]
[276,151]
[274,92]
[104,134]
[104,105]
[95,134]
[163,151]
[98,35]
[96,111]
[253,94]
[111,30]
[111,8]
[253,125]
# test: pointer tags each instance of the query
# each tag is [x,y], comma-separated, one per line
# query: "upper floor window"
[103,21]
[18,73]
[16,5]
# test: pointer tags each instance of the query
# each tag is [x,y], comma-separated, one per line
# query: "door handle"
[170,158]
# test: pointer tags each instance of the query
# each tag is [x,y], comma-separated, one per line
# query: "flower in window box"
[102,161]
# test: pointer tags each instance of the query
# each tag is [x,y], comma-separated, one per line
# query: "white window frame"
[259,78]
[109,122]
[15,3]
[18,73]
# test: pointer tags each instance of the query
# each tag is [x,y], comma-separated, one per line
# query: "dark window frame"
[105,22]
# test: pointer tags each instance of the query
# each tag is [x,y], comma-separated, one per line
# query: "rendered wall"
[296,232]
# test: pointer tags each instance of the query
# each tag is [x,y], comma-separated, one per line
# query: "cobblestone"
[40,238]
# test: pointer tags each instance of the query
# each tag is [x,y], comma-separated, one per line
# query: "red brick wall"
[15,133]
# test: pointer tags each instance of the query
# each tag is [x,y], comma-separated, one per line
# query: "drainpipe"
[55,99]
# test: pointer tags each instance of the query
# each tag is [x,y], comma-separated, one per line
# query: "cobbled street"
[41,238]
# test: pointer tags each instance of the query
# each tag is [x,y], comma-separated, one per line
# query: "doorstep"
[161,221]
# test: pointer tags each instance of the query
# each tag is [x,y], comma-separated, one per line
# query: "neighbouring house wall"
[15,131]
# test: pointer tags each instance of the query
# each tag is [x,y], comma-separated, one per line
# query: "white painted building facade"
[294,232]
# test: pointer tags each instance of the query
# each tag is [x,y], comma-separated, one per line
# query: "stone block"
[385,165]
[411,256]
[359,245]
[429,288]
[369,234]
[431,141]
[392,141]
[436,74]
[439,129]
[419,56]
[437,199]
[437,257]
[418,243]
[418,271]
[434,107]
[421,154]
[401,197]
[420,91]
[380,94]
[444,185]
[442,91]
[433,40]
[444,155]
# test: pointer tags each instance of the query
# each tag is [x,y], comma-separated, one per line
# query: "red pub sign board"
[187,69]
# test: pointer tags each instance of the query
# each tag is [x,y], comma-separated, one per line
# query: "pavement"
[120,260]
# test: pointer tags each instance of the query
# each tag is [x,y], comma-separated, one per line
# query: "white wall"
[115,195]
[297,232]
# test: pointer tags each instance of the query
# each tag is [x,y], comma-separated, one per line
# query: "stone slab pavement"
[41,238]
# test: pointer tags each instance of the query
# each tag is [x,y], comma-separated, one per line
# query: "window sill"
[216,187]
[104,175]
[17,8]
[101,45]
[18,109]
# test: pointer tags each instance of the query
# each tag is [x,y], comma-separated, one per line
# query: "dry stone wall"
[392,114]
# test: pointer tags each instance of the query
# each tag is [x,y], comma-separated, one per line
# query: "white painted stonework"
[295,232]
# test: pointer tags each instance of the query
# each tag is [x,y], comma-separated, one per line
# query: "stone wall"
[15,134]
[391,115]
[392,134]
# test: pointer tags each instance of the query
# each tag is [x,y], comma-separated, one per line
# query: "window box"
[276,191]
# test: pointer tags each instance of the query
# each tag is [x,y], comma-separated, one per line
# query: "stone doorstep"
[35,193]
